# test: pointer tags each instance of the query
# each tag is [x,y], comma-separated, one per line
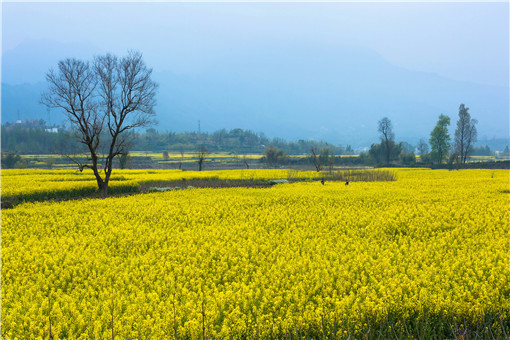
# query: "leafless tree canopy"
[465,134]
[72,89]
[387,136]
[202,153]
[103,102]
[386,129]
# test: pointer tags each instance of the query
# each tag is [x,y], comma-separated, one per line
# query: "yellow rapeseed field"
[425,256]
[36,184]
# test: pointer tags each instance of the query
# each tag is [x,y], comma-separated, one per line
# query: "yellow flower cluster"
[430,251]
[34,184]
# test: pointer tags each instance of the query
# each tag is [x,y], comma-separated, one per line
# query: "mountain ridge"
[292,91]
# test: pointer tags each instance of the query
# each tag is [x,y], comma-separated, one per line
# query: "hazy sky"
[466,41]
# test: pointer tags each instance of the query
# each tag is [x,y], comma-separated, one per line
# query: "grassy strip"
[213,182]
[351,175]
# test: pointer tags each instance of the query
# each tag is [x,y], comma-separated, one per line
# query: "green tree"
[506,152]
[482,151]
[384,153]
[465,134]
[349,150]
[123,160]
[407,158]
[274,155]
[440,139]
[10,159]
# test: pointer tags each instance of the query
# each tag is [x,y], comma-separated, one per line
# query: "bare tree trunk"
[100,182]
[316,159]
[202,153]
[103,190]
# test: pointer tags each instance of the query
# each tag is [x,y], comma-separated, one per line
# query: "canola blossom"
[35,184]
[426,255]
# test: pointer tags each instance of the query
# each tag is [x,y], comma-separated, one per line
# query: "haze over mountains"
[335,93]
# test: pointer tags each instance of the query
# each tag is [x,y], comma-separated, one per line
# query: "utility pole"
[199,126]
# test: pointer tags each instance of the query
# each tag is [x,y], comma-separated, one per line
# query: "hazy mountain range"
[331,93]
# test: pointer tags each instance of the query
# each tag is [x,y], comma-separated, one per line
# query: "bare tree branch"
[103,103]
[465,134]
[316,159]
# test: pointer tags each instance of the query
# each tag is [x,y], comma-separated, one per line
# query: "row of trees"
[234,141]
[32,137]
[441,147]
[464,138]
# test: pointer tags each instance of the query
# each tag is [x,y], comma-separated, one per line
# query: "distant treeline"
[33,137]
[235,141]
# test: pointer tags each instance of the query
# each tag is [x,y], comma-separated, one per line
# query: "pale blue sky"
[465,41]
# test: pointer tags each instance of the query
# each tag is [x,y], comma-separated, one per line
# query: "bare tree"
[316,159]
[104,102]
[387,136]
[423,147]
[465,134]
[245,161]
[72,89]
[202,153]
